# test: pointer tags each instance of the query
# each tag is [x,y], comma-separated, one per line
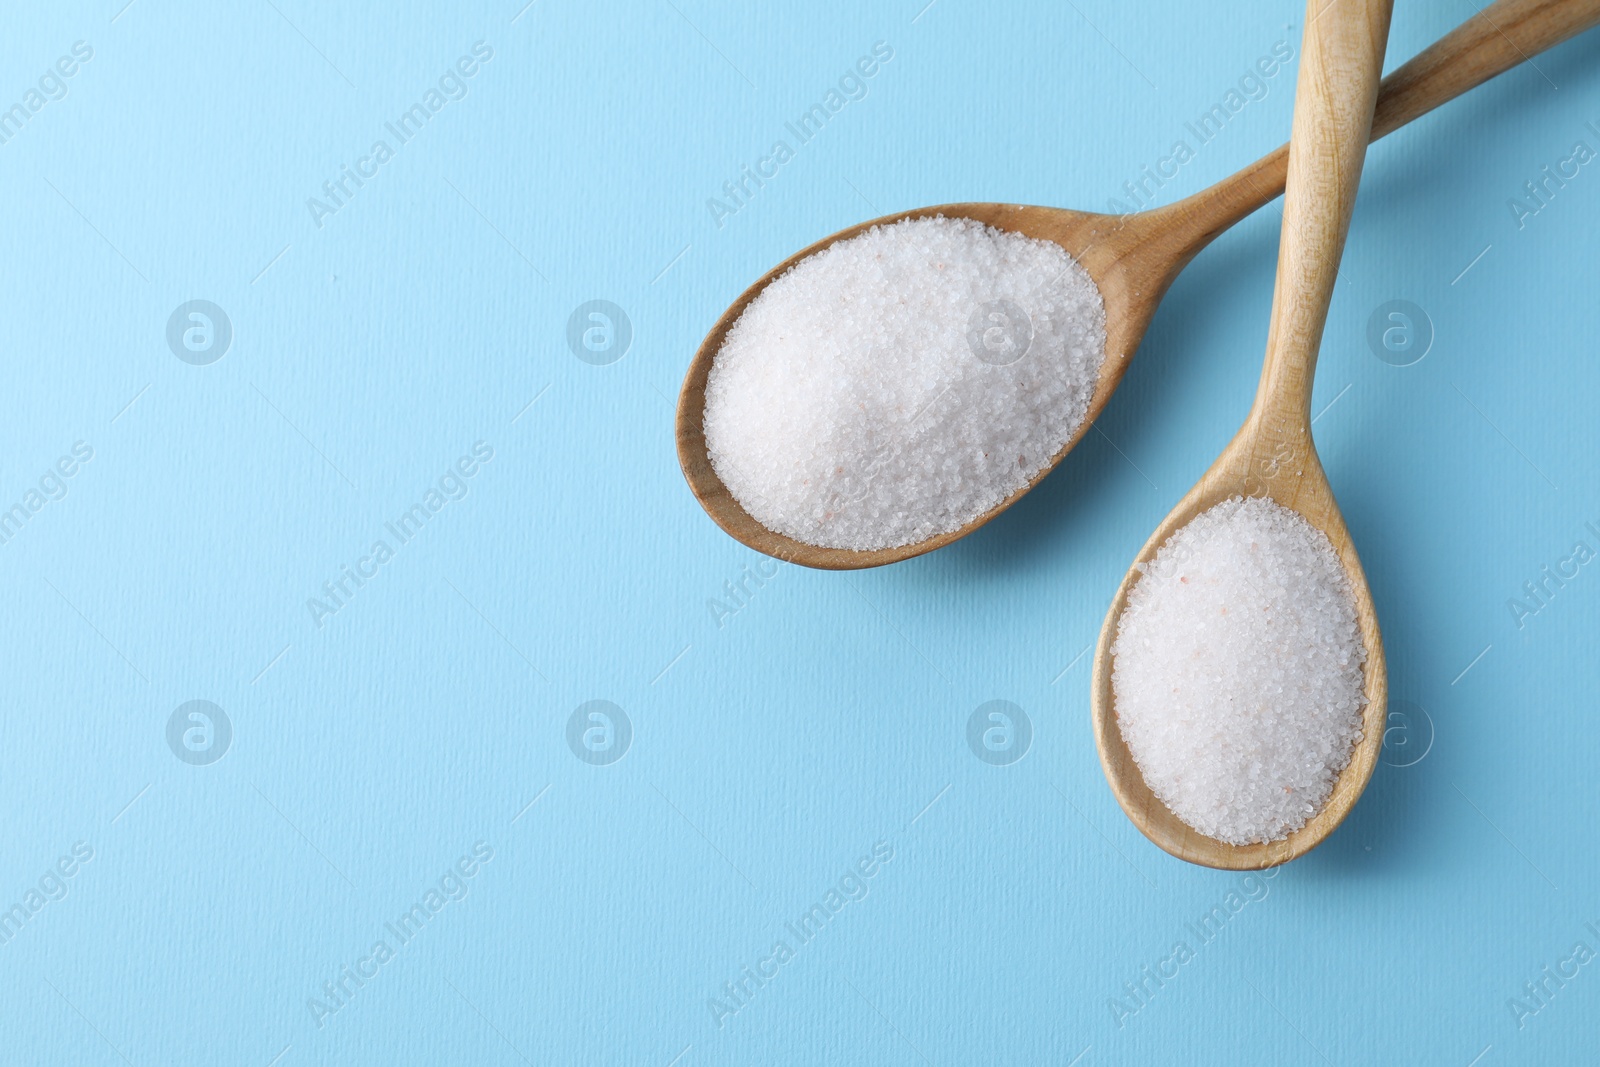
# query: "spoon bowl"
[1260,461]
[1129,259]
[1133,258]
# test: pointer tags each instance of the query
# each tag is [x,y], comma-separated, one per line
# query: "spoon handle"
[1341,63]
[1488,44]
[1499,37]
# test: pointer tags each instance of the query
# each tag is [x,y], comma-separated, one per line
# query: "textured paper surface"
[773,737]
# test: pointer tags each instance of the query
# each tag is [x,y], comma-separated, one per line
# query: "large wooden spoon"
[1133,258]
[1272,455]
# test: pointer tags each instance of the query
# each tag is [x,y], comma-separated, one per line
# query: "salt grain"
[1238,672]
[902,382]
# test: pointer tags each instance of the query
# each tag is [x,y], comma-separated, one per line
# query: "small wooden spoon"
[1272,455]
[1133,258]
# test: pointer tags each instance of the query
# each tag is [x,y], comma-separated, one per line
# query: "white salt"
[900,383]
[1237,672]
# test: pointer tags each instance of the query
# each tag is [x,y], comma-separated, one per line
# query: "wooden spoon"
[1133,258]
[1272,455]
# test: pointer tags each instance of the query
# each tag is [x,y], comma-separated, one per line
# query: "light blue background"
[829,712]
